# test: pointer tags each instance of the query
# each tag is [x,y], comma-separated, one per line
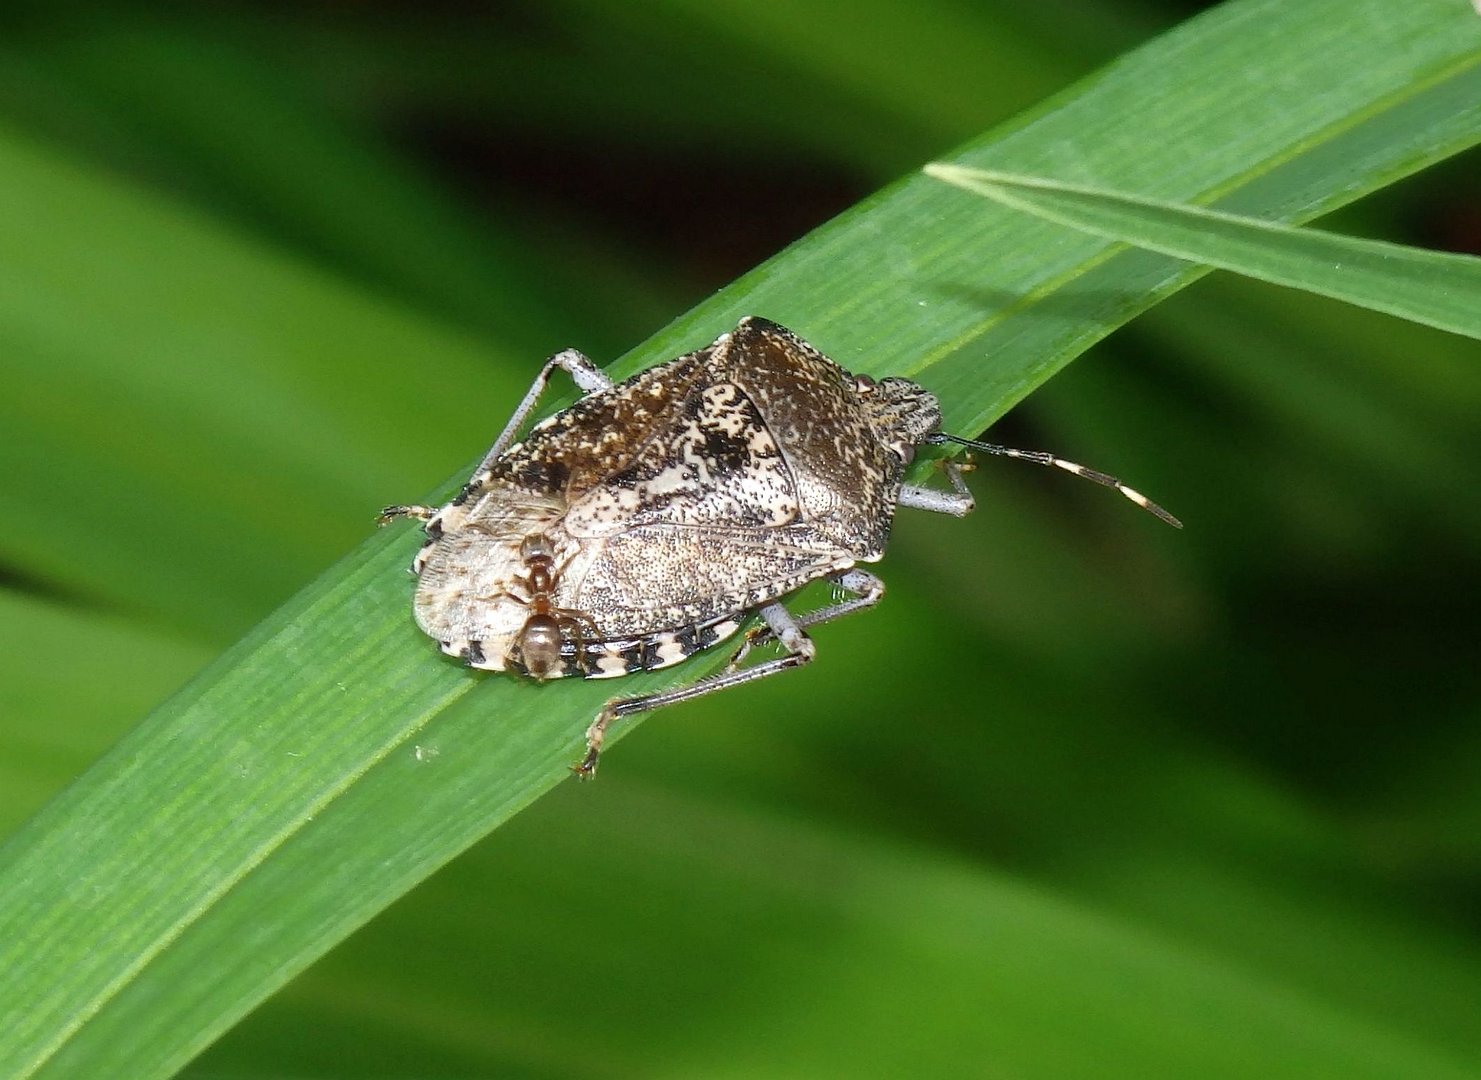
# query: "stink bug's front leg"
[780,625]
[867,591]
[957,502]
[583,371]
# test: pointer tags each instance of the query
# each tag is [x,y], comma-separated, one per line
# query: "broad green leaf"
[199,387]
[330,761]
[183,98]
[60,717]
[914,960]
[1397,433]
[1436,288]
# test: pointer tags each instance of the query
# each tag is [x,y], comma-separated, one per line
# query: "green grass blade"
[330,761]
[1439,289]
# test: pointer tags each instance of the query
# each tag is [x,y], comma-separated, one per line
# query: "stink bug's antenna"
[1041,457]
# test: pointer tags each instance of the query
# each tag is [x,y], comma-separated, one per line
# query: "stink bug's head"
[903,413]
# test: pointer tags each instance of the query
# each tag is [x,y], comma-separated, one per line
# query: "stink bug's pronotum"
[654,517]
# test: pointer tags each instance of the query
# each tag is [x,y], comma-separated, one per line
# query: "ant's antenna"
[1041,457]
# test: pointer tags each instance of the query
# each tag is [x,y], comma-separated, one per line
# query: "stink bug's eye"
[864,384]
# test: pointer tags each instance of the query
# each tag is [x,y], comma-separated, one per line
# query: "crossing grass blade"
[1436,288]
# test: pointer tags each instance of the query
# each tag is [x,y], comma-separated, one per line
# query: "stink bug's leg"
[957,502]
[781,625]
[867,591]
[587,376]
[391,513]
[586,768]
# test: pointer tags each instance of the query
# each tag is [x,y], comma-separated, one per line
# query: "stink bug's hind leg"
[587,376]
[777,624]
[780,625]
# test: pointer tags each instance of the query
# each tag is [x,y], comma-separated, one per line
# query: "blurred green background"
[1248,752]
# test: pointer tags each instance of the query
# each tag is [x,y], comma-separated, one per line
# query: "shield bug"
[655,517]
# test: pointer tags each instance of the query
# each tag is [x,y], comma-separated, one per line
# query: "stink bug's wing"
[578,449]
[656,577]
[465,574]
[714,464]
[715,515]
[846,479]
[462,595]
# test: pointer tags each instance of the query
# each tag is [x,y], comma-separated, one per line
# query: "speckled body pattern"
[675,504]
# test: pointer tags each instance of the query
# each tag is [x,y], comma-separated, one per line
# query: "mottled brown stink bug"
[654,517]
